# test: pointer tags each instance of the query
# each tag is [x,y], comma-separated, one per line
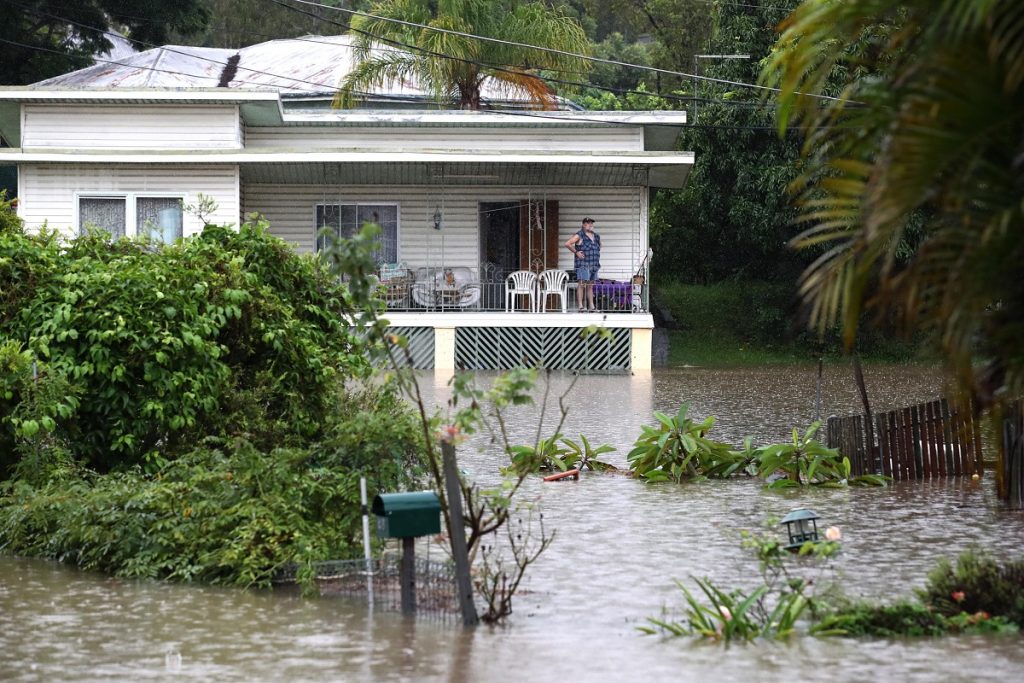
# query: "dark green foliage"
[226,333]
[233,358]
[35,404]
[733,321]
[50,45]
[906,618]
[226,512]
[678,448]
[977,583]
[806,461]
[733,219]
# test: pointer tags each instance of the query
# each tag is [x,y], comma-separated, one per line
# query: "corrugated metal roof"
[310,65]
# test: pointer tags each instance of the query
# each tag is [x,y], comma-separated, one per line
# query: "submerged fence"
[924,441]
[378,583]
[1012,484]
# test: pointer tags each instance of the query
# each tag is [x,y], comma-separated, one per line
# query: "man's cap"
[588,219]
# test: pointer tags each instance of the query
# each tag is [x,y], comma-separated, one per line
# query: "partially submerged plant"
[771,610]
[806,461]
[677,448]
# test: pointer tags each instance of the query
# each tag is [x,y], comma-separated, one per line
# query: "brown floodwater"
[620,545]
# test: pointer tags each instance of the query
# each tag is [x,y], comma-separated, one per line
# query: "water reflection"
[620,543]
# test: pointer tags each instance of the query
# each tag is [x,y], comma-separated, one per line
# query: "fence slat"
[900,446]
[857,465]
[890,437]
[936,436]
[947,449]
[883,443]
[918,421]
[928,436]
[956,429]
[979,462]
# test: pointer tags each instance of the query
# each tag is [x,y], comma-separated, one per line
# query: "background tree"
[735,204]
[37,42]
[240,23]
[454,68]
[931,120]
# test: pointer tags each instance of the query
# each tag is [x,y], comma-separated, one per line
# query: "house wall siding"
[621,215]
[131,127]
[410,138]
[49,192]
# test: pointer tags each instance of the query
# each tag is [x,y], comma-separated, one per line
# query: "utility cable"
[564,53]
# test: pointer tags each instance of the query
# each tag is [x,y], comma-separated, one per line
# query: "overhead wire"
[332,88]
[564,53]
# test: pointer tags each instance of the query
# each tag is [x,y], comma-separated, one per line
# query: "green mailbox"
[405,515]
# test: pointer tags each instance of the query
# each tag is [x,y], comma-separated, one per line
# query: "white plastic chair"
[553,282]
[521,282]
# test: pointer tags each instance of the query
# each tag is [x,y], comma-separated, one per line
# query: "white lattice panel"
[501,348]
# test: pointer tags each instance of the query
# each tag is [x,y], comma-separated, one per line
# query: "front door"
[538,235]
[499,249]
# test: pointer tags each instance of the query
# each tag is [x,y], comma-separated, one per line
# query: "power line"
[528,46]
[331,88]
[324,86]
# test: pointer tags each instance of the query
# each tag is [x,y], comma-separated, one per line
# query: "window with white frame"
[345,220]
[159,219]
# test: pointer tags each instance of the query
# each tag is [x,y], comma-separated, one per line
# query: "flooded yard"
[619,547]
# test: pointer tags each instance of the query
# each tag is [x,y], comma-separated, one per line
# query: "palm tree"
[454,68]
[930,123]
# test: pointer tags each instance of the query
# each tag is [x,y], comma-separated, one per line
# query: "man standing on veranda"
[585,245]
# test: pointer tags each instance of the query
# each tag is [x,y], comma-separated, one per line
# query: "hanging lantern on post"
[801,527]
[437,218]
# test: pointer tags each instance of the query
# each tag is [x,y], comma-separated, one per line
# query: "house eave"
[444,167]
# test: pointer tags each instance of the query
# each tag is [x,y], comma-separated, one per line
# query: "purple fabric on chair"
[617,294]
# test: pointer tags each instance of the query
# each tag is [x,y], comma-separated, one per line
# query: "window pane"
[386,216]
[327,216]
[105,213]
[347,219]
[159,218]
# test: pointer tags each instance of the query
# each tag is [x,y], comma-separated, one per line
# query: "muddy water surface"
[620,544]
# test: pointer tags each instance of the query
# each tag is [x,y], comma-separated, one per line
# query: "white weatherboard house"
[465,198]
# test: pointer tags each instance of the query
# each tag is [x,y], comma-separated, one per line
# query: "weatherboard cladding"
[619,211]
[622,138]
[48,193]
[92,126]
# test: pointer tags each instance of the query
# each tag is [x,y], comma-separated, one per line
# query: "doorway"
[499,249]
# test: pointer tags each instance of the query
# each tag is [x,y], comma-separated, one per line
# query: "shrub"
[226,333]
[225,512]
[906,618]
[977,583]
[677,448]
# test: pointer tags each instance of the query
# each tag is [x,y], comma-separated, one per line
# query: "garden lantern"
[801,526]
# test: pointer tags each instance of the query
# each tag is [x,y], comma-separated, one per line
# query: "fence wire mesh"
[377,582]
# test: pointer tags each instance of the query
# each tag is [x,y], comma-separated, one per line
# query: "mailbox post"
[407,516]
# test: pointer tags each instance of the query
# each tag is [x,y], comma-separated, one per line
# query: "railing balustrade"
[460,290]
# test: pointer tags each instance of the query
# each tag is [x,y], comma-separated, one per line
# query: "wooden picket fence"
[1012,485]
[925,441]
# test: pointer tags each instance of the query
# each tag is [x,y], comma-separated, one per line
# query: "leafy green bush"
[226,333]
[34,401]
[804,460]
[677,448]
[977,583]
[906,618]
[225,512]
